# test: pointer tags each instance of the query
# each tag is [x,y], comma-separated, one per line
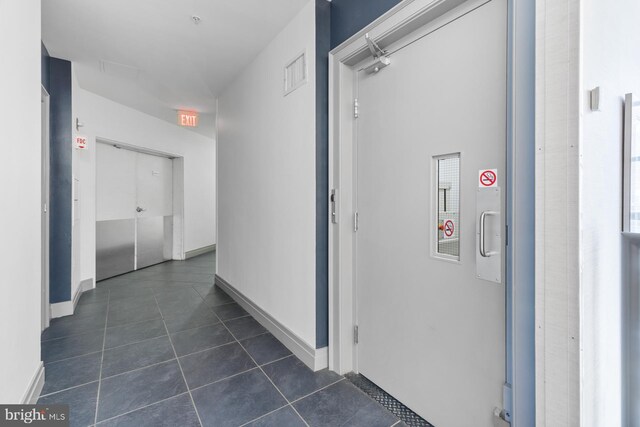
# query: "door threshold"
[392,404]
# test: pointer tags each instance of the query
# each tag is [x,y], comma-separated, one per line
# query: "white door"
[134,212]
[431,332]
[154,209]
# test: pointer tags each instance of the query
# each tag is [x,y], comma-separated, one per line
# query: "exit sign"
[188,118]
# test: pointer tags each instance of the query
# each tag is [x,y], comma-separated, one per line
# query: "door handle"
[483,220]
[139,209]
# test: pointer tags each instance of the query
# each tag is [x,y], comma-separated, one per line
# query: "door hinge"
[45,208]
[506,235]
[355,334]
[355,108]
[356,221]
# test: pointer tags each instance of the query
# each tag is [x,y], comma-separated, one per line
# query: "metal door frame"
[45,172]
[420,17]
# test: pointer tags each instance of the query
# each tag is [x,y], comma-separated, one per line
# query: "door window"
[448,206]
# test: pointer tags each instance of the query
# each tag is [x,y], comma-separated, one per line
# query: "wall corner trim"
[35,386]
[61,309]
[67,308]
[315,359]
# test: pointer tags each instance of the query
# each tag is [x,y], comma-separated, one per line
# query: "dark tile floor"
[164,347]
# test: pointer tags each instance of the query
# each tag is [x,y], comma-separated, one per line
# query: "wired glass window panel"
[448,205]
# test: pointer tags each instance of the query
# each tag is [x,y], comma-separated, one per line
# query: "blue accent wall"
[60,169]
[323,45]
[350,16]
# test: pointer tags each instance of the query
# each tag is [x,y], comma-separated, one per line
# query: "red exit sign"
[188,118]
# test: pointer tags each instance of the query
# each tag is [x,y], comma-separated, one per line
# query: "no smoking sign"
[449,228]
[488,178]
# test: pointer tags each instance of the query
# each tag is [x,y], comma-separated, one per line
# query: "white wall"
[105,119]
[20,252]
[266,182]
[611,60]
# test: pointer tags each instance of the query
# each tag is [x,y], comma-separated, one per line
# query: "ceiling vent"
[119,70]
[295,73]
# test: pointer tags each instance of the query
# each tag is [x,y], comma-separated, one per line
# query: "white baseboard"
[315,359]
[67,308]
[35,386]
[201,251]
[61,309]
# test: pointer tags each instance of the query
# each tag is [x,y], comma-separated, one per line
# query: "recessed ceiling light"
[195,19]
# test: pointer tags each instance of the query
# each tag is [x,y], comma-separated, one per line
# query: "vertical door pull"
[483,220]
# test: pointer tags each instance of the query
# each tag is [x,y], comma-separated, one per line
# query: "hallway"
[145,347]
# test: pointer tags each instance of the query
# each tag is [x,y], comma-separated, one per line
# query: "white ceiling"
[149,54]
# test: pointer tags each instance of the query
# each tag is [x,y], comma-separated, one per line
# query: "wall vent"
[295,73]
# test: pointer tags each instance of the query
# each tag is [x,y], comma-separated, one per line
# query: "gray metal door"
[134,210]
[431,149]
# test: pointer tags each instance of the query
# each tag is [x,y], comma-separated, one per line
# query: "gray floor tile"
[295,379]
[181,306]
[138,355]
[81,401]
[118,280]
[204,288]
[237,400]
[71,373]
[129,292]
[342,404]
[122,315]
[93,296]
[133,390]
[265,348]
[177,411]
[166,294]
[215,299]
[74,325]
[230,311]
[131,302]
[213,365]
[245,327]
[184,277]
[75,345]
[98,308]
[280,418]
[192,340]
[213,294]
[134,332]
[182,321]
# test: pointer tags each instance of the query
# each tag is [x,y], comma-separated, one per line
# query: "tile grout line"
[140,408]
[265,415]
[67,389]
[104,341]
[186,384]
[267,376]
[320,389]
[223,379]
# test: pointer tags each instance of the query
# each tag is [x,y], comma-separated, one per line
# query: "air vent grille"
[295,74]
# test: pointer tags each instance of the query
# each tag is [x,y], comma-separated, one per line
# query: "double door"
[134,210]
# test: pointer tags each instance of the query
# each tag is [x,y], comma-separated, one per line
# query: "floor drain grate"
[385,399]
